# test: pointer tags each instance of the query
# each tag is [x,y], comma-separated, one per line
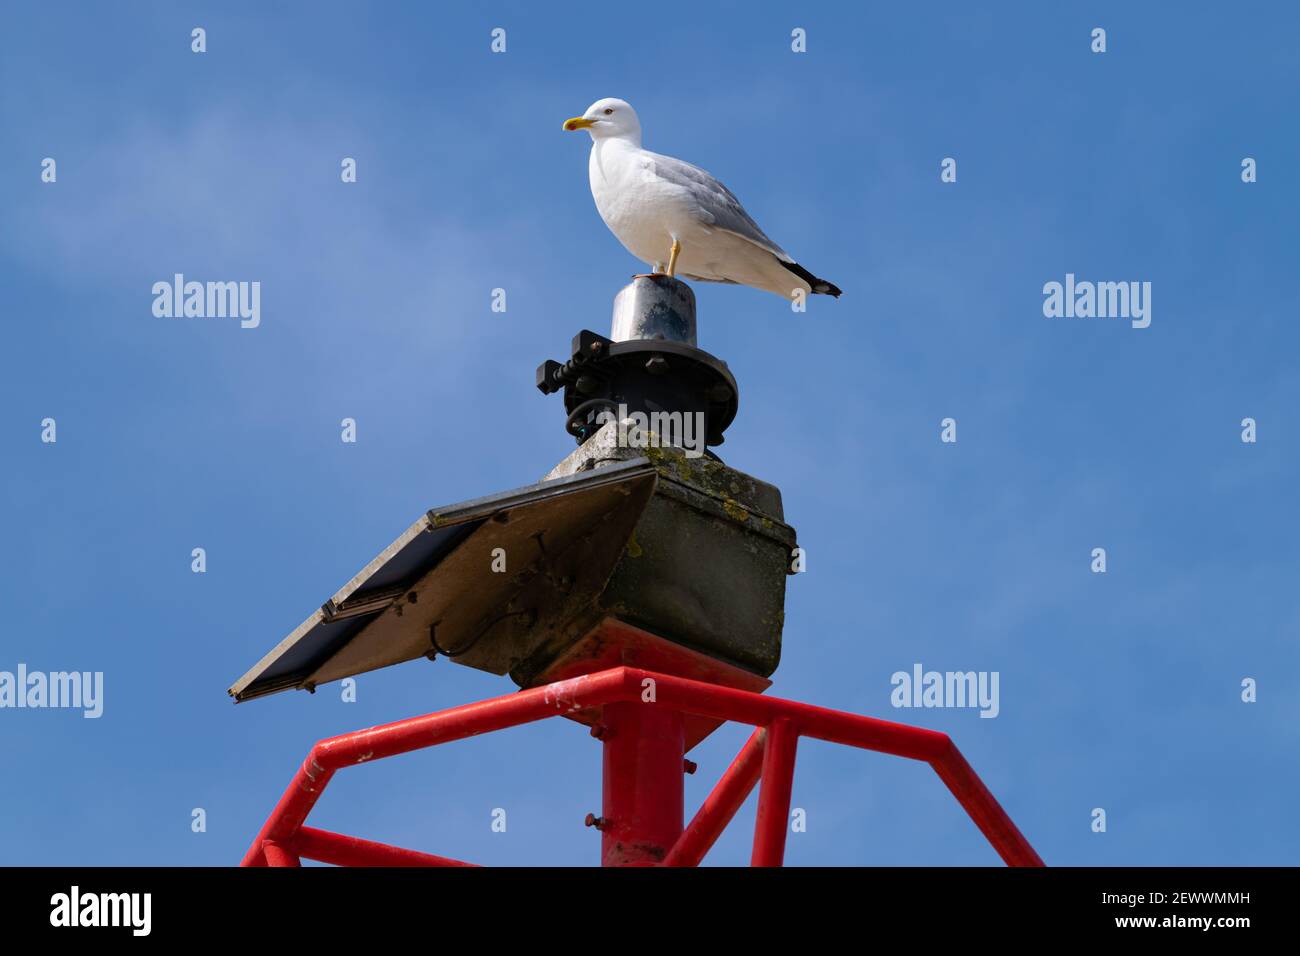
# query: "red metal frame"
[643,714]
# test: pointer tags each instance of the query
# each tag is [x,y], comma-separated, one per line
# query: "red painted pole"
[720,805]
[644,746]
[774,795]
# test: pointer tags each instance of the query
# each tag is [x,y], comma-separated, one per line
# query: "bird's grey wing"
[716,201]
[687,275]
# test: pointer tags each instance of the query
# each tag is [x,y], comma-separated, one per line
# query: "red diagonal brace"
[720,805]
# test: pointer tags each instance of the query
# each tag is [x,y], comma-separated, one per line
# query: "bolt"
[600,823]
[690,766]
[598,731]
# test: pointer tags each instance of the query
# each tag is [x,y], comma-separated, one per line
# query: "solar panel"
[444,587]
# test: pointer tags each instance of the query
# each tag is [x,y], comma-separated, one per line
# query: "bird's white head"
[609,118]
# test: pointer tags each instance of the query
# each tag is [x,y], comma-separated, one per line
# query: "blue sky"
[1119,691]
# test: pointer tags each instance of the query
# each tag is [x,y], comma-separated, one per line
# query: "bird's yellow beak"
[578,122]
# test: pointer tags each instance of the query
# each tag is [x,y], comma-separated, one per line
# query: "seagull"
[678,218]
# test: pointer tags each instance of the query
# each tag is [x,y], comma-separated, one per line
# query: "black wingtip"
[819,286]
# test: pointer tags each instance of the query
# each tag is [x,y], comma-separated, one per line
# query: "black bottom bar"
[332,905]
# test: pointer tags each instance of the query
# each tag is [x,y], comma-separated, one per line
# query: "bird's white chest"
[641,209]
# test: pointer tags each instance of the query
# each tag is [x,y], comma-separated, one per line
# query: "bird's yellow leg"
[672,257]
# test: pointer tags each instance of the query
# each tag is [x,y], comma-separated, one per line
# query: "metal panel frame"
[410,556]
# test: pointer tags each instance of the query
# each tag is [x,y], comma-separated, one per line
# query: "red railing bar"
[481,717]
[772,822]
[277,855]
[835,726]
[679,694]
[981,806]
[415,733]
[856,730]
[720,805]
[297,801]
[342,850]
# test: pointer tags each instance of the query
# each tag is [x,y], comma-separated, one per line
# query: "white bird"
[675,216]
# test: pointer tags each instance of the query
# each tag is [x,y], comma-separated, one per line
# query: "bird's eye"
[608,111]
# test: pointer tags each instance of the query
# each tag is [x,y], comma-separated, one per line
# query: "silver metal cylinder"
[654,307]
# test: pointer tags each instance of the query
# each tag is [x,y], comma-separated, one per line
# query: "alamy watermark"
[922,688]
[129,910]
[684,430]
[1098,300]
[83,690]
[209,300]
